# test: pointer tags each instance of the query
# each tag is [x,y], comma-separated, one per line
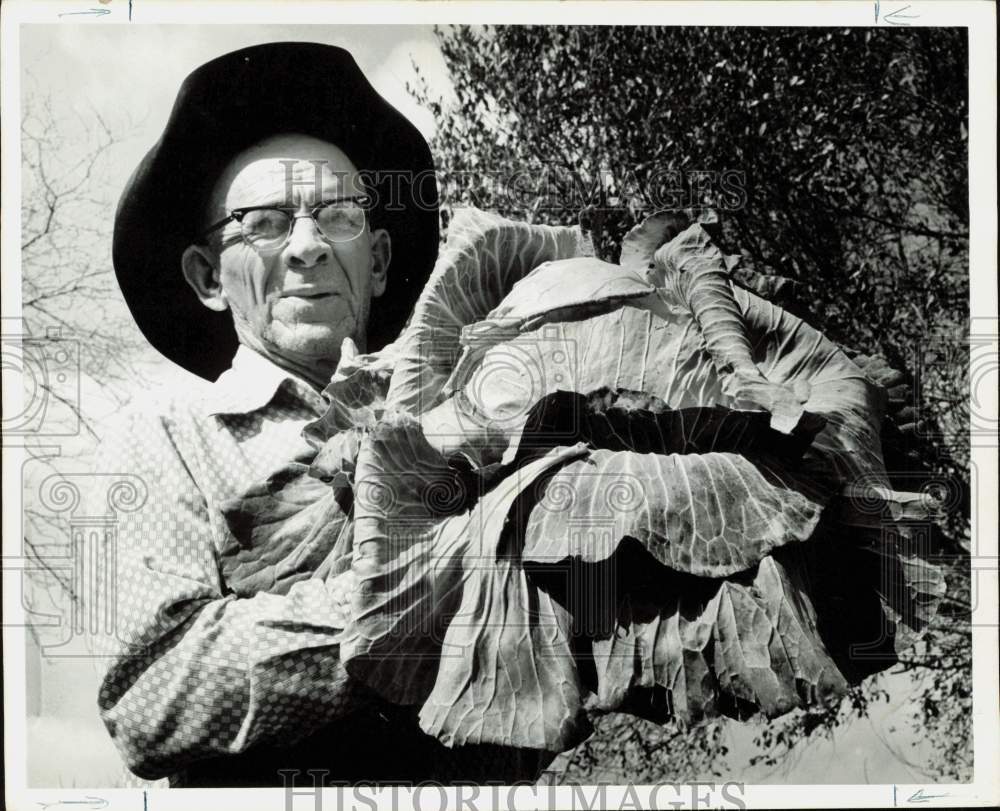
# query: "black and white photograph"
[499,405]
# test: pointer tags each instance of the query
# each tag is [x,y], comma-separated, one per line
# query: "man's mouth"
[312,295]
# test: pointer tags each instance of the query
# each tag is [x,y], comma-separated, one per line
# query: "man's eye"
[265,224]
[341,221]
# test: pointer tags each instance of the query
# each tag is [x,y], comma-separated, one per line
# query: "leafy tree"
[838,159]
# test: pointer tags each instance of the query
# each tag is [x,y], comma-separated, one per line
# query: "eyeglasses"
[269,228]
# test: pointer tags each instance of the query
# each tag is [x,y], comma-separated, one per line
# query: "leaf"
[356,395]
[441,615]
[651,344]
[785,293]
[554,290]
[623,420]
[873,590]
[287,528]
[641,242]
[483,258]
[910,591]
[508,674]
[736,646]
[708,514]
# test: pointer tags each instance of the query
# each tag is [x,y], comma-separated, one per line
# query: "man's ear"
[202,274]
[381,257]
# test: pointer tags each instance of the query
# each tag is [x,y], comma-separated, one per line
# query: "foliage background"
[837,159]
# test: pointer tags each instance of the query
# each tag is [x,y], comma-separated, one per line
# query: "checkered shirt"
[195,672]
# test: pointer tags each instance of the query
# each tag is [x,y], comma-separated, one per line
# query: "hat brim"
[223,108]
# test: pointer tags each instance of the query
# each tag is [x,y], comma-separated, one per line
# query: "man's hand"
[878,370]
[899,390]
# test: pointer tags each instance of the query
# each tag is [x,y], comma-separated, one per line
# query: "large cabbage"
[630,485]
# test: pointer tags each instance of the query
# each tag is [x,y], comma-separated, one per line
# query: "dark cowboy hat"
[224,107]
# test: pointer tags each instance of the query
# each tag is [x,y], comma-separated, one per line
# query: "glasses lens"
[265,227]
[341,221]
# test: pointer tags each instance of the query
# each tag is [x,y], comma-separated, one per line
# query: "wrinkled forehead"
[286,170]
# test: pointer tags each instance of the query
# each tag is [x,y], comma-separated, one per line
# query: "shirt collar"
[251,383]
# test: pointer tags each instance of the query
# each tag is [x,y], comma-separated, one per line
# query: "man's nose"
[306,246]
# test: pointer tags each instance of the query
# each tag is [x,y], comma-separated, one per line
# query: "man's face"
[298,302]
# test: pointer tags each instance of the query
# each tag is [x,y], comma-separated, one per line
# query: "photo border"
[979,17]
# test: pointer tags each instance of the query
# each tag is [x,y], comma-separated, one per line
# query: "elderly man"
[259,233]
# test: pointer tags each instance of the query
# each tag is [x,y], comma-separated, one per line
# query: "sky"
[110,69]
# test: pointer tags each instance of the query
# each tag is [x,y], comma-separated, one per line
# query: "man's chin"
[319,346]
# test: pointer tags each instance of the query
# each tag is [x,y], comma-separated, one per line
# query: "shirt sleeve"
[192,672]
